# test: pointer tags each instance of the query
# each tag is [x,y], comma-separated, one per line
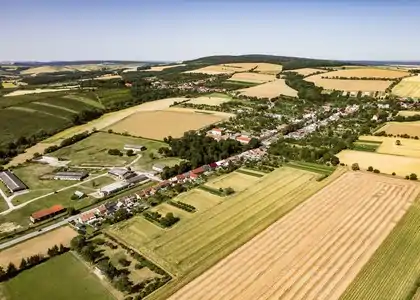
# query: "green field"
[61,278]
[312,167]
[369,146]
[188,249]
[393,271]
[111,97]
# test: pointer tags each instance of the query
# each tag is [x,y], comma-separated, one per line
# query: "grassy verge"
[368,146]
[211,190]
[312,167]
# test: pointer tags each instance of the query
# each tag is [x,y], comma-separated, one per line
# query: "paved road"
[36,233]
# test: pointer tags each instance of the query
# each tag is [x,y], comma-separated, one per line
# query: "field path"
[315,251]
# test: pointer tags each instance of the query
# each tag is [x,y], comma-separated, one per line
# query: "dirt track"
[316,250]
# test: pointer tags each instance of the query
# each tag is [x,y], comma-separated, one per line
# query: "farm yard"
[385,163]
[315,251]
[65,277]
[188,249]
[408,87]
[349,85]
[237,181]
[270,90]
[366,72]
[252,77]
[214,99]
[172,122]
[401,128]
[37,245]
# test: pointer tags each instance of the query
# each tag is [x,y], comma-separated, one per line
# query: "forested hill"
[288,63]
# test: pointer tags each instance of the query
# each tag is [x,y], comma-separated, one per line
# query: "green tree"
[355,167]
[23,264]
[130,152]
[413,176]
[370,169]
[78,242]
[11,270]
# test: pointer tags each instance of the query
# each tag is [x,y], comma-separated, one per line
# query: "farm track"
[316,250]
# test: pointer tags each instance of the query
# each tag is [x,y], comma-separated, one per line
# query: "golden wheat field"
[399,128]
[270,90]
[209,100]
[308,71]
[225,68]
[408,113]
[408,87]
[252,77]
[367,72]
[161,68]
[316,250]
[266,68]
[349,85]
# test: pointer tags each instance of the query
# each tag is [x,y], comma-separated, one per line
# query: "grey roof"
[12,181]
[71,174]
[118,171]
[114,186]
[137,178]
[134,146]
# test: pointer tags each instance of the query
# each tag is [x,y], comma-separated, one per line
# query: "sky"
[162,30]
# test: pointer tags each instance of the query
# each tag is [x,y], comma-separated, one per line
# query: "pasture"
[349,85]
[315,251]
[408,87]
[366,73]
[385,163]
[270,90]
[307,71]
[237,181]
[189,249]
[172,122]
[252,77]
[401,128]
[63,277]
[37,245]
[215,99]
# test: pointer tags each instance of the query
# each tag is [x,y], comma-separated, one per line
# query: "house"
[243,139]
[102,210]
[216,131]
[87,217]
[121,173]
[77,176]
[12,182]
[112,188]
[198,171]
[353,94]
[135,148]
[47,213]
[213,165]
[159,167]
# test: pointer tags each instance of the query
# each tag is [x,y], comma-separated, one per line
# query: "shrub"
[393,174]
[413,176]
[355,167]
[370,169]
[376,171]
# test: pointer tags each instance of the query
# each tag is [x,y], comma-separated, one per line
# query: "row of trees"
[166,221]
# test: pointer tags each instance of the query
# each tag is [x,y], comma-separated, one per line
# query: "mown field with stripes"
[316,250]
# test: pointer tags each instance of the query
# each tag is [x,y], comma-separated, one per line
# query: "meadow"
[237,181]
[270,90]
[63,277]
[316,250]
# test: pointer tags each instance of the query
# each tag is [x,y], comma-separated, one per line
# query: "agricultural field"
[393,271]
[161,68]
[408,87]
[270,90]
[363,145]
[252,77]
[307,71]
[200,199]
[388,145]
[108,77]
[37,245]
[225,68]
[237,181]
[70,68]
[267,68]
[408,113]
[160,124]
[37,91]
[214,99]
[366,72]
[315,251]
[188,249]
[8,85]
[385,163]
[63,277]
[400,128]
[349,85]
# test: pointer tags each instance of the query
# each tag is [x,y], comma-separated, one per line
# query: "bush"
[130,152]
[393,174]
[376,171]
[355,167]
[413,176]
[370,169]
[115,152]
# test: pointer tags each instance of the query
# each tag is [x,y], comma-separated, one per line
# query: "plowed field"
[315,251]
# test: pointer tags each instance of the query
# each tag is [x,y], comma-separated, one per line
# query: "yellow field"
[8,85]
[235,180]
[398,128]
[307,71]
[270,90]
[367,72]
[200,199]
[408,113]
[408,147]
[316,250]
[408,87]
[71,68]
[161,68]
[385,163]
[108,77]
[349,85]
[37,91]
[225,68]
[252,77]
[214,101]
[172,122]
[266,68]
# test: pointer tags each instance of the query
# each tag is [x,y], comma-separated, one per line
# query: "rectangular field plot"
[200,199]
[63,277]
[235,180]
[315,251]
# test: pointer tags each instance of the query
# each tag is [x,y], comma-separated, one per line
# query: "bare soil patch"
[161,68]
[270,90]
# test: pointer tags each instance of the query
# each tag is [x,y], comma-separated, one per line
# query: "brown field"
[225,68]
[385,163]
[349,85]
[252,77]
[307,71]
[235,180]
[37,245]
[367,72]
[214,101]
[408,113]
[395,128]
[161,68]
[315,251]
[173,122]
[408,87]
[270,90]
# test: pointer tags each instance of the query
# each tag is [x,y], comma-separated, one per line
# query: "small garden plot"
[237,181]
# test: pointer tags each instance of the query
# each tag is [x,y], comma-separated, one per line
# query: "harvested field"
[225,68]
[407,147]
[37,245]
[266,68]
[408,87]
[386,163]
[252,77]
[408,113]
[399,128]
[108,76]
[367,72]
[160,124]
[161,68]
[212,99]
[37,91]
[315,251]
[235,180]
[188,250]
[307,71]
[270,90]
[349,85]
[200,199]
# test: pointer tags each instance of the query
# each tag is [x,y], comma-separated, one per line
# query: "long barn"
[12,182]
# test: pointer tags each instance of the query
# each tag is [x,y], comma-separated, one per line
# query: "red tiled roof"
[243,138]
[213,165]
[48,211]
[198,170]
[194,175]
[87,216]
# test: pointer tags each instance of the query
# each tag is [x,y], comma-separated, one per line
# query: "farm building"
[243,139]
[70,175]
[47,213]
[159,167]
[136,179]
[12,182]
[121,173]
[135,148]
[112,188]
